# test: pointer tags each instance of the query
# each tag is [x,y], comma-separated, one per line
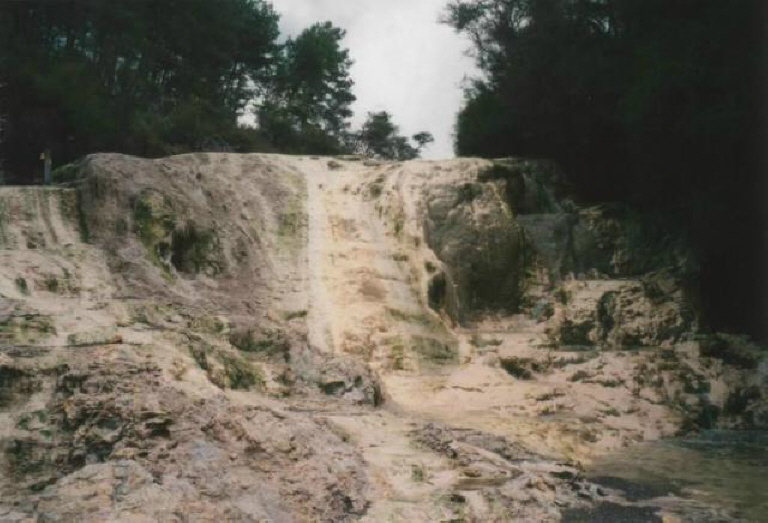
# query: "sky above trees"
[404,61]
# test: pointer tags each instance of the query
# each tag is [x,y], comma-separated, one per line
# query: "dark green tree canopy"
[380,138]
[154,78]
[658,103]
[423,139]
[641,87]
[307,104]
[133,76]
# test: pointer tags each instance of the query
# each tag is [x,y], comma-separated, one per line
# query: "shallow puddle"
[724,470]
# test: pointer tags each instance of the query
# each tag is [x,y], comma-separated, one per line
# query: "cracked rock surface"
[219,337]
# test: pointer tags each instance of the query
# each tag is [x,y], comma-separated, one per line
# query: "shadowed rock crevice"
[193,251]
[482,246]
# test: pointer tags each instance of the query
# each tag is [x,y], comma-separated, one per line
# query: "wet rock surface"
[112,442]
[611,512]
[269,338]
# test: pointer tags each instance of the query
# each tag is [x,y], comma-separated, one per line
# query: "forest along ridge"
[304,338]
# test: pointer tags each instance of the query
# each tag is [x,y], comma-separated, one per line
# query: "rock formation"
[274,338]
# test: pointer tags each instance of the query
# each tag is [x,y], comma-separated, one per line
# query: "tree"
[147,78]
[423,139]
[379,137]
[307,105]
[656,103]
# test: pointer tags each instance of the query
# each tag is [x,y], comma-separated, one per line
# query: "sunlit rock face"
[254,337]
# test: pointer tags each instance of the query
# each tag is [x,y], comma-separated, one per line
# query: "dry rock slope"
[219,337]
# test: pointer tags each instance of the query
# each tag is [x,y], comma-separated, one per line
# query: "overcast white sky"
[405,62]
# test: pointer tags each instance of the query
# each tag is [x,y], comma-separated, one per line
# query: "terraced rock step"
[275,338]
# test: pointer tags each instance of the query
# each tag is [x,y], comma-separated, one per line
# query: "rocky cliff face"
[262,337]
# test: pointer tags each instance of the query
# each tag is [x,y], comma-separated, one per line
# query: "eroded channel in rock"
[265,337]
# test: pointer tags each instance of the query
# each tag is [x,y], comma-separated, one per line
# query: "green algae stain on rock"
[187,248]
[227,370]
[26,327]
[434,351]
[5,239]
[242,374]
[292,220]
[270,344]
[153,221]
[290,225]
[194,251]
